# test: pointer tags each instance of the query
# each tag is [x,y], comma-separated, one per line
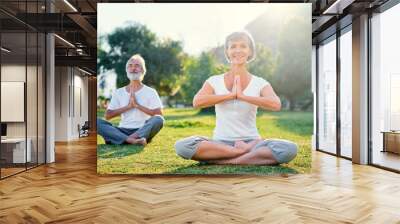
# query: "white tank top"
[236,119]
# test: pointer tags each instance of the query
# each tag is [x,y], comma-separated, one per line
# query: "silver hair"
[141,60]
[239,35]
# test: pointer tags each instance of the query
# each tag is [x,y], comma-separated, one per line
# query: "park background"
[182,45]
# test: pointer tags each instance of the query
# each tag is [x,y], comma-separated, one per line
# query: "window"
[346,93]
[385,85]
[327,96]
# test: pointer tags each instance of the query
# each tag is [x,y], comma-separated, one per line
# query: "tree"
[163,57]
[197,71]
[264,63]
[292,77]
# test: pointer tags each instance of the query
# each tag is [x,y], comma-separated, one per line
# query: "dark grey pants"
[116,135]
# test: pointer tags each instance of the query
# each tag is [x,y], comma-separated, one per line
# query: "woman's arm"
[268,99]
[206,97]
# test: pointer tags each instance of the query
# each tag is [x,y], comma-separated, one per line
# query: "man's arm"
[114,113]
[156,104]
[151,112]
[132,104]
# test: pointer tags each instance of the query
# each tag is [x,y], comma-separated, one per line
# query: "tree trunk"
[207,110]
[169,101]
[291,104]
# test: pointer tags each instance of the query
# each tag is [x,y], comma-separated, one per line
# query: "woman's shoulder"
[260,80]
[215,78]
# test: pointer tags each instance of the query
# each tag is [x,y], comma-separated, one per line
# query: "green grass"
[159,156]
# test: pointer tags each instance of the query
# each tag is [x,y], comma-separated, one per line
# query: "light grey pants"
[117,135]
[283,151]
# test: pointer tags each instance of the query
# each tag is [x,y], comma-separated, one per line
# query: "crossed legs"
[260,156]
[256,152]
[208,150]
[117,135]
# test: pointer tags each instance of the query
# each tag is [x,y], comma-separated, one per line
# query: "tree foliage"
[196,71]
[163,57]
[264,63]
[292,78]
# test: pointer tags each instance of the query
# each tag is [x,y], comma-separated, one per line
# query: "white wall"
[61,103]
[70,83]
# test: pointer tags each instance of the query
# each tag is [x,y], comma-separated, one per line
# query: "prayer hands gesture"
[237,91]
[132,99]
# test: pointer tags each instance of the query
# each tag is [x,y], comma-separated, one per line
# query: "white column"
[360,90]
[50,94]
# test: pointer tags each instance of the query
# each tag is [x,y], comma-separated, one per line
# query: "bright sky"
[199,26]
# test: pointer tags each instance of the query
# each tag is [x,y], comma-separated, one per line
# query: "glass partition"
[22,67]
[14,153]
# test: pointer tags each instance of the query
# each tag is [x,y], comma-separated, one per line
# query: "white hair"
[140,59]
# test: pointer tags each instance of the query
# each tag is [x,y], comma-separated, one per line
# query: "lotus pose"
[139,107]
[236,95]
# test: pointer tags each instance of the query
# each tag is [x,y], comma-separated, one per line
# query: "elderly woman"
[236,95]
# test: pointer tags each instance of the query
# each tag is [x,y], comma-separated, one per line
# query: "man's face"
[134,66]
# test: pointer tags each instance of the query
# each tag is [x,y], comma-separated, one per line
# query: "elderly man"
[139,107]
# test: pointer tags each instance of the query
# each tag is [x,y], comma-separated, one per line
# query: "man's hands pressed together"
[132,100]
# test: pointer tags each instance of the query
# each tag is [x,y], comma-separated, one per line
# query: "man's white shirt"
[135,118]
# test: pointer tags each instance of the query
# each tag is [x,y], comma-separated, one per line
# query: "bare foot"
[242,145]
[136,141]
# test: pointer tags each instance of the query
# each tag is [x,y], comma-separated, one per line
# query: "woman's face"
[238,51]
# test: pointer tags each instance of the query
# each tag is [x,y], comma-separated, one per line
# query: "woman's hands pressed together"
[267,100]
[237,90]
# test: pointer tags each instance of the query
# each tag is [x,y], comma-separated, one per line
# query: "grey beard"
[134,76]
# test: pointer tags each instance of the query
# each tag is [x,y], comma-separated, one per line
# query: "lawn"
[159,156]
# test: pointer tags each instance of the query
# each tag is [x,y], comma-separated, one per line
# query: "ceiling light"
[5,50]
[64,40]
[70,5]
[338,6]
[86,72]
